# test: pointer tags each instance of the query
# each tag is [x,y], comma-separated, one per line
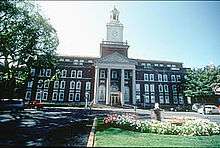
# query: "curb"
[92,134]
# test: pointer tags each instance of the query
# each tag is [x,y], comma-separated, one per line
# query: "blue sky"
[187,32]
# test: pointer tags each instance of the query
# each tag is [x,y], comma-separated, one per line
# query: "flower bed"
[175,126]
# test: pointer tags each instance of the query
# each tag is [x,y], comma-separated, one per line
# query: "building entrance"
[115,99]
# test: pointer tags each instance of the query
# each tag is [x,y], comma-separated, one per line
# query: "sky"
[187,32]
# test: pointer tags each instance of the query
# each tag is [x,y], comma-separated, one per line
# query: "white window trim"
[152,88]
[146,87]
[46,84]
[151,77]
[78,85]
[63,73]
[73,74]
[146,77]
[54,95]
[165,78]
[48,73]
[114,75]
[79,74]
[173,78]
[138,87]
[160,88]
[26,95]
[56,83]
[167,102]
[30,84]
[44,96]
[33,71]
[71,99]
[166,88]
[77,94]
[62,86]
[72,84]
[102,74]
[160,77]
[88,85]
[41,84]
[60,96]
[161,99]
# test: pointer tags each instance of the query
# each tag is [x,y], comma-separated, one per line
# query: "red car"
[35,104]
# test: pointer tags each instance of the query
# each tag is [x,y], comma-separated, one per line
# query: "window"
[45,94]
[166,89]
[145,77]
[161,99]
[77,97]
[173,65]
[146,99]
[46,83]
[146,87]
[126,74]
[61,96]
[87,96]
[152,97]
[174,88]
[175,100]
[181,101]
[161,65]
[78,85]
[88,85]
[48,73]
[151,77]
[138,97]
[28,95]
[155,64]
[67,60]
[90,61]
[114,74]
[71,96]
[63,73]
[178,78]
[56,84]
[160,77]
[62,84]
[55,95]
[148,64]
[152,87]
[32,72]
[73,73]
[165,78]
[101,93]
[30,84]
[79,74]
[102,73]
[173,79]
[72,85]
[168,65]
[42,72]
[138,87]
[160,88]
[38,95]
[167,99]
[40,84]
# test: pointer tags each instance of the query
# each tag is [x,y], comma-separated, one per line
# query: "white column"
[122,86]
[108,85]
[133,87]
[96,85]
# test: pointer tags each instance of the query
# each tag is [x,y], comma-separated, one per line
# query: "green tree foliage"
[26,40]
[199,83]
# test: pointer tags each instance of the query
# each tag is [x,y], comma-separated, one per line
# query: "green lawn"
[113,137]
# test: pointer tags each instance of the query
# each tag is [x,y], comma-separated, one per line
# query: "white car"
[209,109]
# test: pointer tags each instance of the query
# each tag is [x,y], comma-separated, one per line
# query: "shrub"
[184,126]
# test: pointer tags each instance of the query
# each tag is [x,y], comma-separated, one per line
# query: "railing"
[114,43]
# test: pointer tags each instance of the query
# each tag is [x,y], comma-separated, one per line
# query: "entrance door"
[115,99]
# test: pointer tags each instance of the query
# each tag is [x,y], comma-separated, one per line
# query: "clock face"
[115,34]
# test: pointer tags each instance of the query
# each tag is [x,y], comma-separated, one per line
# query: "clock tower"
[114,41]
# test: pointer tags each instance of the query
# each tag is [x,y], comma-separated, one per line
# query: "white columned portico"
[108,85]
[122,86]
[133,86]
[96,85]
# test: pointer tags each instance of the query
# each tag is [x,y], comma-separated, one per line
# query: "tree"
[26,40]
[199,82]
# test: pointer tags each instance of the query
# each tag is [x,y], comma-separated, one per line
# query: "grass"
[115,137]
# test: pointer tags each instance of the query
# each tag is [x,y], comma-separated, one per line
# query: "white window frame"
[33,71]
[152,99]
[160,87]
[45,95]
[77,94]
[30,84]
[161,99]
[166,88]
[62,84]
[147,99]
[126,74]
[42,72]
[146,77]
[56,84]
[78,85]
[175,101]
[38,93]
[88,85]
[165,78]
[87,96]
[181,100]
[48,73]
[53,96]
[28,95]
[173,79]
[73,73]
[71,98]
[72,84]
[40,84]
[79,74]
[167,99]
[174,88]
[114,75]
[146,87]
[178,78]
[63,73]
[60,94]
[46,84]
[160,79]
[138,87]
[102,74]
[151,77]
[152,88]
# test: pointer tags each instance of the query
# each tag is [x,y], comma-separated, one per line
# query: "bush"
[191,127]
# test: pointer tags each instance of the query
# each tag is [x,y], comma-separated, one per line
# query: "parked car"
[196,106]
[209,109]
[35,104]
[11,104]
